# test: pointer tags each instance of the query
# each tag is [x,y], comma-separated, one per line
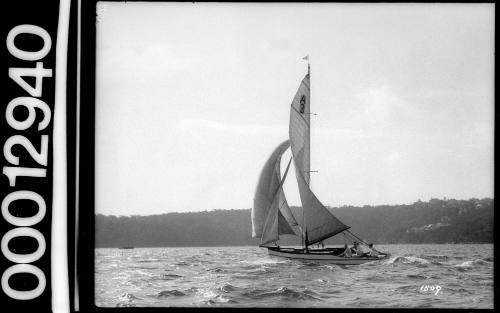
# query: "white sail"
[284,227]
[285,212]
[299,129]
[273,224]
[318,222]
[266,190]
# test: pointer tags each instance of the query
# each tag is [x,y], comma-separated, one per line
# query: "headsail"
[284,210]
[267,189]
[319,222]
[274,223]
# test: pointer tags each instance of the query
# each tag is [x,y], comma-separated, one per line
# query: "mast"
[309,148]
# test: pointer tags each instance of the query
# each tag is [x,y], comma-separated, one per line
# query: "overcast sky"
[191,99]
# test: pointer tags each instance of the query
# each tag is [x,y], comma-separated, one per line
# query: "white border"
[59,257]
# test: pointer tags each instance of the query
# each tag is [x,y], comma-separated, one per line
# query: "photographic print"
[324,155]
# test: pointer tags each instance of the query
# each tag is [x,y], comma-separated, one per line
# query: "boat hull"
[323,255]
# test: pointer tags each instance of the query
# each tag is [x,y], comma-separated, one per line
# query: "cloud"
[197,125]
[342,132]
[381,106]
[393,157]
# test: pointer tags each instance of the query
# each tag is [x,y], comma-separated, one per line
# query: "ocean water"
[456,276]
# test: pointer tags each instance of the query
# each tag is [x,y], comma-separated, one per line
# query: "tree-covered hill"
[436,221]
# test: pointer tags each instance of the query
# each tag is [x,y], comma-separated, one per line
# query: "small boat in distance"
[271,215]
[127,247]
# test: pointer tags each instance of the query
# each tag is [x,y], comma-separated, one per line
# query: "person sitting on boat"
[357,249]
[373,252]
[364,250]
[347,252]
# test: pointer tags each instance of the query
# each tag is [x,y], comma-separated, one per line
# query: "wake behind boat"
[271,215]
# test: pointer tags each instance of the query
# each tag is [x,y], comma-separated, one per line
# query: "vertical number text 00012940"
[39,117]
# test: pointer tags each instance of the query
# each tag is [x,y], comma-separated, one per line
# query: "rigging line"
[302,229]
[357,237]
[363,242]
[345,238]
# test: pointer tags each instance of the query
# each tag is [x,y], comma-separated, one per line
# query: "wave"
[263,270]
[127,295]
[251,277]
[407,288]
[170,293]
[217,270]
[283,292]
[376,278]
[437,257]
[192,290]
[472,263]
[416,276]
[144,267]
[219,299]
[460,291]
[407,260]
[333,267]
[127,300]
[264,262]
[215,298]
[227,288]
[170,276]
[148,261]
[315,266]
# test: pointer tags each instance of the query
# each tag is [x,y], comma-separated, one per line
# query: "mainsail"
[300,120]
[318,223]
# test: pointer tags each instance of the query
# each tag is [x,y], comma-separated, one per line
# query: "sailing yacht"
[271,215]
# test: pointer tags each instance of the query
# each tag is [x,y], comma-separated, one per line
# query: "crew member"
[347,252]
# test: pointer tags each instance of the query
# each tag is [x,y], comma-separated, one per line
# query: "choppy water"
[248,277]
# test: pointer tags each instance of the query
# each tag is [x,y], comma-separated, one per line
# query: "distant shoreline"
[434,222]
